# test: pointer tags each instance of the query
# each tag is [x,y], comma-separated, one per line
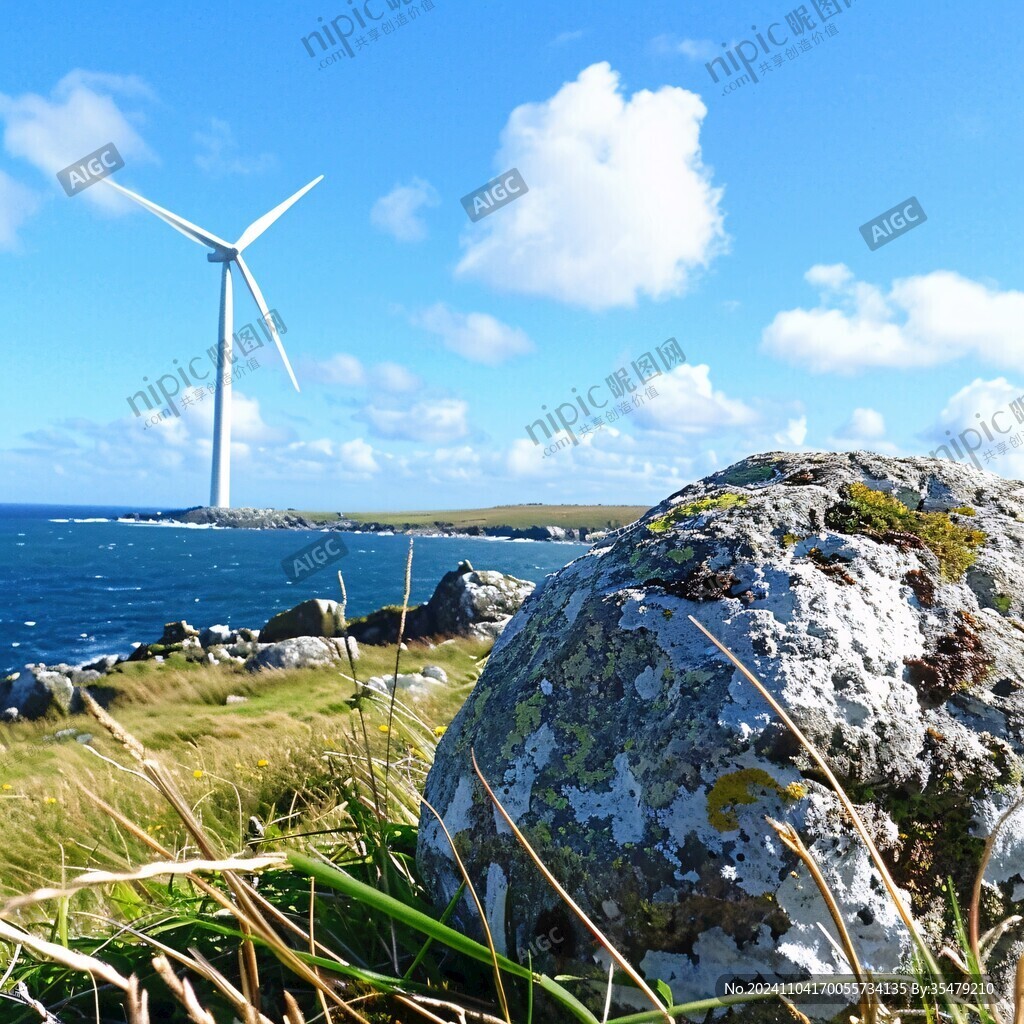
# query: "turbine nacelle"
[222,255]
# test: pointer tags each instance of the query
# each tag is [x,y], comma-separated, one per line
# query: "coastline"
[275,519]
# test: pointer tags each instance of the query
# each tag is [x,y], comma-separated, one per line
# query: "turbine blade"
[261,303]
[257,227]
[187,228]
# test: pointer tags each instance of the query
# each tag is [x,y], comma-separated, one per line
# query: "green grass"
[177,710]
[593,517]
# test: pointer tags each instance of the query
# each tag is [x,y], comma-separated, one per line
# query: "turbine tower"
[225,253]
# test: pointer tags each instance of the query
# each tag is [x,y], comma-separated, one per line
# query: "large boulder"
[301,652]
[881,602]
[466,602]
[311,618]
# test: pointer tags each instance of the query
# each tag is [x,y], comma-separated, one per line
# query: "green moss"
[964,510]
[878,514]
[694,508]
[1002,603]
[681,556]
[790,539]
[733,789]
[748,475]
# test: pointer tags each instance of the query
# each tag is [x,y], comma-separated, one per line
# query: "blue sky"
[424,343]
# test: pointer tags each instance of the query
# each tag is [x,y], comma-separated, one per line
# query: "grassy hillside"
[593,517]
[279,756]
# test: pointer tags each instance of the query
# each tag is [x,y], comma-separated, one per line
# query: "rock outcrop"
[879,599]
[311,618]
[465,603]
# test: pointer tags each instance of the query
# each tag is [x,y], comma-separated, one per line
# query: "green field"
[593,517]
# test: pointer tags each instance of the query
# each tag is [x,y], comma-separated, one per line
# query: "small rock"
[213,635]
[178,632]
[84,738]
[297,652]
[235,698]
[435,672]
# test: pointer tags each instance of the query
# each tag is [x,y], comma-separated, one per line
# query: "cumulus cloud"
[478,337]
[345,370]
[620,202]
[430,422]
[80,115]
[863,425]
[979,423]
[687,403]
[924,320]
[219,154]
[357,456]
[398,213]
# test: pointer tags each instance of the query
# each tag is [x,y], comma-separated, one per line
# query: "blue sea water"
[75,583]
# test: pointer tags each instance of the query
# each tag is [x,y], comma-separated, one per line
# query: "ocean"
[75,583]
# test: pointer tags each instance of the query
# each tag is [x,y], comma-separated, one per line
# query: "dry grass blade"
[858,823]
[292,1013]
[153,870]
[62,955]
[1018,994]
[791,839]
[626,966]
[398,658]
[794,1012]
[463,1015]
[136,1003]
[251,920]
[479,909]
[22,992]
[974,918]
[182,991]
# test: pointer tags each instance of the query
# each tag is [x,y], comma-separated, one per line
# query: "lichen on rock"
[642,765]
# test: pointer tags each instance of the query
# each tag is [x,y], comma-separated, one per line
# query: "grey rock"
[465,603]
[297,652]
[234,698]
[103,664]
[413,683]
[642,764]
[177,632]
[211,636]
[84,738]
[435,672]
[311,618]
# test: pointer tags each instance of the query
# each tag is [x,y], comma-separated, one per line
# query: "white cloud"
[430,422]
[478,337]
[17,204]
[398,213]
[218,152]
[345,370]
[620,203]
[341,369]
[794,434]
[923,320]
[863,425]
[80,116]
[357,457]
[687,403]
[974,423]
[394,378]
[700,50]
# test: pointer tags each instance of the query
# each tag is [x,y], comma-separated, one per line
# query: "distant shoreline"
[576,523]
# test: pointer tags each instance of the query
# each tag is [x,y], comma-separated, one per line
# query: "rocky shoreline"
[275,519]
[466,603]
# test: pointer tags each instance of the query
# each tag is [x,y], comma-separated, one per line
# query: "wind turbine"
[225,253]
